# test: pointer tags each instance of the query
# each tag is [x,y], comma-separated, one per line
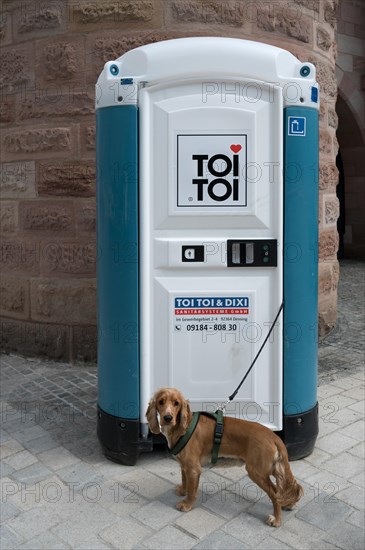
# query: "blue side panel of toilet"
[117,266]
[300,259]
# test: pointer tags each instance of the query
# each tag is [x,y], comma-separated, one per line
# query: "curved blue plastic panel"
[117,269]
[300,259]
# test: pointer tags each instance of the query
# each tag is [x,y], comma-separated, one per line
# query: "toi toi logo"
[211,170]
[227,167]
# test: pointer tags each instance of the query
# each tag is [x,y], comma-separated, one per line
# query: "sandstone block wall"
[350,71]
[52,53]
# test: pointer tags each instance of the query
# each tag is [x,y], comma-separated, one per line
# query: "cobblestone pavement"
[58,491]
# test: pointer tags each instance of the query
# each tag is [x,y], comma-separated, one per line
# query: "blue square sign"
[296,125]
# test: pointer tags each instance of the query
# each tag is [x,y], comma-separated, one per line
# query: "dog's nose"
[167,418]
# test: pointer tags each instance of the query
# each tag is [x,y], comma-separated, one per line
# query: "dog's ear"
[185,414]
[151,415]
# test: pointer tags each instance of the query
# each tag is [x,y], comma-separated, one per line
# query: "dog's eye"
[161,402]
[176,403]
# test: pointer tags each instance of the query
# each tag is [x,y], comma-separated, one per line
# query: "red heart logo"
[236,148]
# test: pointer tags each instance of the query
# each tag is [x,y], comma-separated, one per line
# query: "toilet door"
[211,225]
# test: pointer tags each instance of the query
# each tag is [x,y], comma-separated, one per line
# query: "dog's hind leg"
[269,488]
[288,489]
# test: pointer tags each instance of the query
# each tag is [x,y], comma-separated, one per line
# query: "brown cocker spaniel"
[262,451]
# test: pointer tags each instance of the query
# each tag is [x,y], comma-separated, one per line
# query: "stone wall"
[52,53]
[350,71]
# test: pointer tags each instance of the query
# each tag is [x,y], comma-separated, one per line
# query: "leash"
[233,395]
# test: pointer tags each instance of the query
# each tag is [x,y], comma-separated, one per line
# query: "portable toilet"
[207,192]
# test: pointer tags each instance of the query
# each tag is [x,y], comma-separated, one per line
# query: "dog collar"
[183,440]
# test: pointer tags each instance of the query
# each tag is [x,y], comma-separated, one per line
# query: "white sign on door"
[211,170]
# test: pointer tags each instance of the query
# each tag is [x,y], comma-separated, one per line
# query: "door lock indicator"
[255,253]
[192,253]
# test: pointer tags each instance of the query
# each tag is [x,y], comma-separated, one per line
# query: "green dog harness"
[218,433]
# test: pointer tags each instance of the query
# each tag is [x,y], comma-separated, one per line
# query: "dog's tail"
[288,490]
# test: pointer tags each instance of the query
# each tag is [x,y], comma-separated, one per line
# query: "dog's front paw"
[273,522]
[180,490]
[184,506]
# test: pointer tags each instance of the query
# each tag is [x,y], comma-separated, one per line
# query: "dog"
[262,451]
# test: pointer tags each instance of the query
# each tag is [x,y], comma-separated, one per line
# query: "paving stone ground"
[58,490]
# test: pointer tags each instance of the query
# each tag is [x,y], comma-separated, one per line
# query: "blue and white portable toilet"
[207,169]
